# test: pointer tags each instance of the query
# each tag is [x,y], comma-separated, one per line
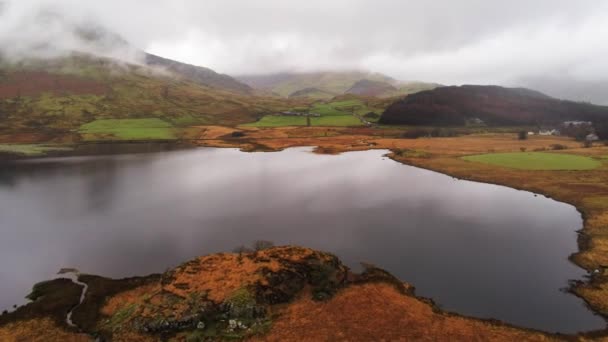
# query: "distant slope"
[197,74]
[452,106]
[412,87]
[335,83]
[367,87]
[101,41]
[60,95]
[99,75]
[315,93]
[567,88]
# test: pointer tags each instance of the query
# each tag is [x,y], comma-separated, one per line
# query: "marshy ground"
[274,294]
[348,307]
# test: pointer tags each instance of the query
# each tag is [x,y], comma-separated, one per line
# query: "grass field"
[278,121]
[342,107]
[329,120]
[336,120]
[536,161]
[127,129]
[327,109]
[336,113]
[30,150]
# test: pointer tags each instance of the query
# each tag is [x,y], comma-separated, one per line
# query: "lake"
[476,249]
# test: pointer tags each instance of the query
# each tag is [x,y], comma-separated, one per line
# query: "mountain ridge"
[494,105]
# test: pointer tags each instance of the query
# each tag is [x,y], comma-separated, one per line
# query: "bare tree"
[262,244]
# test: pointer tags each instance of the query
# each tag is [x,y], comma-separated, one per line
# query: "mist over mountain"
[471,42]
[333,82]
[568,88]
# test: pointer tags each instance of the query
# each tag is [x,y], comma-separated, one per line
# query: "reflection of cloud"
[7,177]
[481,240]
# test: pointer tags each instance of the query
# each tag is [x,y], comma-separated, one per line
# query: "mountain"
[367,87]
[96,74]
[335,83]
[95,40]
[568,88]
[453,106]
[51,96]
[198,74]
[107,43]
[312,92]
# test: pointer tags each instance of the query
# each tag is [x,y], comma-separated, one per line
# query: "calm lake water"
[477,249]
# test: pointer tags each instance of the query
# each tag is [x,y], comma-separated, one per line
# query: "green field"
[536,161]
[341,108]
[128,129]
[30,150]
[336,113]
[326,109]
[280,121]
[336,120]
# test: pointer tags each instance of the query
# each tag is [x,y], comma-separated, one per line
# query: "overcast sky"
[451,42]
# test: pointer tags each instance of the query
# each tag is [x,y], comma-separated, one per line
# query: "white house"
[548,132]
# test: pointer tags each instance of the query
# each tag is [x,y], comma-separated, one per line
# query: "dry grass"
[38,330]
[585,189]
[378,312]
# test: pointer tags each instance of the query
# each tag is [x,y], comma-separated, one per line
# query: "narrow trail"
[73,276]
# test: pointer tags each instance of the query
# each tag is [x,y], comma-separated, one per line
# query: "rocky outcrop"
[278,293]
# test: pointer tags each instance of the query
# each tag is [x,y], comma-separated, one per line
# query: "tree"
[601,129]
[242,249]
[262,244]
[522,135]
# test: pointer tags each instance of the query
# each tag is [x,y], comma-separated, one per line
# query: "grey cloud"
[469,41]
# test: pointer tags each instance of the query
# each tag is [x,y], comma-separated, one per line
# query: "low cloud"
[469,41]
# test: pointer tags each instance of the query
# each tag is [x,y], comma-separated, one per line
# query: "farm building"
[548,132]
[592,137]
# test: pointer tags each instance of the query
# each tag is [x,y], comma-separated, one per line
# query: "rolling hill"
[367,87]
[103,42]
[323,85]
[312,93]
[58,95]
[335,83]
[198,74]
[495,106]
[103,77]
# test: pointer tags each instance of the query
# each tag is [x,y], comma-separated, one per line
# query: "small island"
[269,294]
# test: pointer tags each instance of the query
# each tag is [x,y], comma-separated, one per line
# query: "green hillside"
[324,85]
[61,95]
[347,110]
[335,83]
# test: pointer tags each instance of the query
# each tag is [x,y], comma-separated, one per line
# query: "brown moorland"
[35,83]
[586,190]
[360,310]
[277,294]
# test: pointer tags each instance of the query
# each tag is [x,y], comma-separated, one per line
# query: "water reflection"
[477,249]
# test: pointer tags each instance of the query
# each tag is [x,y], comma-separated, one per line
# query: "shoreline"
[439,163]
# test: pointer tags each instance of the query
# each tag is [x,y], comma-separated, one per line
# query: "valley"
[75,127]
